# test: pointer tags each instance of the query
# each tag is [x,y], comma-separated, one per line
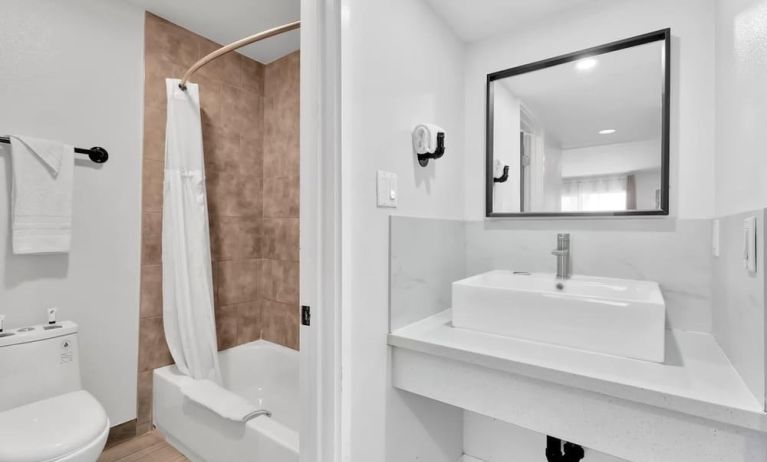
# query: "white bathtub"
[264,373]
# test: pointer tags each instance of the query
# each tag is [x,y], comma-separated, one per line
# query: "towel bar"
[97,154]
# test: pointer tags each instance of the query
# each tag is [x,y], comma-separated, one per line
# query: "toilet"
[45,415]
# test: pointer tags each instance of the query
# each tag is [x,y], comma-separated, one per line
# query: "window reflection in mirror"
[581,136]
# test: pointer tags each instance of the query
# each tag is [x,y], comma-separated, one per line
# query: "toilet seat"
[54,429]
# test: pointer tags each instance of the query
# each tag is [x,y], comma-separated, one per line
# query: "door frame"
[320,231]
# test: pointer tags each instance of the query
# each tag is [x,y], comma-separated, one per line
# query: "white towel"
[218,399]
[425,138]
[42,195]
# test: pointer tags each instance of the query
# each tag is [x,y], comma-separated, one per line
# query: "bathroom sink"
[614,316]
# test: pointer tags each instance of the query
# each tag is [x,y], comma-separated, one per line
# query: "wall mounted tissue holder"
[423,159]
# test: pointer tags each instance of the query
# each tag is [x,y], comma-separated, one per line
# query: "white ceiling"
[622,92]
[225,21]
[478,19]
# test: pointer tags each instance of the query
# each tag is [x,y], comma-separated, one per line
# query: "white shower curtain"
[187,287]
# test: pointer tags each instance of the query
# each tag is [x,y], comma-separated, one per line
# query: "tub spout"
[257,413]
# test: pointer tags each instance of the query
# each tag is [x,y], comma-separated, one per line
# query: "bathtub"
[264,373]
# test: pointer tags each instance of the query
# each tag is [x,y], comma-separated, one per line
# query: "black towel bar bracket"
[97,154]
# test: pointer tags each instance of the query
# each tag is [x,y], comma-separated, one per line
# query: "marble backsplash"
[425,257]
[428,254]
[703,292]
[738,319]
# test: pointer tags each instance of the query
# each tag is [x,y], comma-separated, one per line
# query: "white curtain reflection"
[594,194]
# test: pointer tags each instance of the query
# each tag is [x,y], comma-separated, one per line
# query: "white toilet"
[45,415]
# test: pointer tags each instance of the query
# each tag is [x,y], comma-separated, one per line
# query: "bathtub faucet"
[257,413]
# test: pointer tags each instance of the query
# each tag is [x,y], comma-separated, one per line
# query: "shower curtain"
[187,287]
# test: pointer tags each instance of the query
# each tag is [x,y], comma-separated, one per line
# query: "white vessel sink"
[614,316]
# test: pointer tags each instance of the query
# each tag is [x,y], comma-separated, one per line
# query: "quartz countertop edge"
[734,404]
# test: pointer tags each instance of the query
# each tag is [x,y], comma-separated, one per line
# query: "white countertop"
[696,377]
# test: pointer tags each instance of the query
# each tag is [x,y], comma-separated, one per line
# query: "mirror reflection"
[582,136]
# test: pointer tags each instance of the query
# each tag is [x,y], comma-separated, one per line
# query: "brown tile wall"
[279,276]
[250,135]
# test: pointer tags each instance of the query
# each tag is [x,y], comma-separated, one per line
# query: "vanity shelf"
[696,379]
[631,408]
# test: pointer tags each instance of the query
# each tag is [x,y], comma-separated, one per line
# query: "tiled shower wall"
[279,250]
[250,132]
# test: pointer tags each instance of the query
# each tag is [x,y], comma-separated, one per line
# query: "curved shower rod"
[235,45]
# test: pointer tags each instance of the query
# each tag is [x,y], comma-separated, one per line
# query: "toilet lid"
[50,428]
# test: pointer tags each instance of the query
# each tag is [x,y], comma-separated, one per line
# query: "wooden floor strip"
[149,447]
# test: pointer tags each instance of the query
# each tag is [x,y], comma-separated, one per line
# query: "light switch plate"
[387,189]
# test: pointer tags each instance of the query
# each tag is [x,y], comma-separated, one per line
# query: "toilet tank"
[38,362]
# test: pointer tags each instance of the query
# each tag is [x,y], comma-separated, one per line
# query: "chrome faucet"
[562,253]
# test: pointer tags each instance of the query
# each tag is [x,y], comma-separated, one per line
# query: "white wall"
[741,105]
[72,71]
[506,121]
[610,159]
[492,440]
[400,66]
[647,183]
[692,112]
[552,177]
[741,182]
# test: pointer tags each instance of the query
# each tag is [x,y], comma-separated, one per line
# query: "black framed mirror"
[582,134]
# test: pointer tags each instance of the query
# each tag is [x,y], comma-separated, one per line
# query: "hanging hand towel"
[41,201]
